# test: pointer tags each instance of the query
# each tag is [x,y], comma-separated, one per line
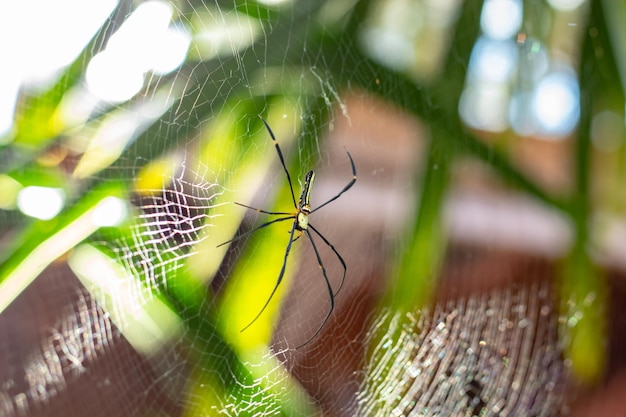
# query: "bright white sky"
[39,38]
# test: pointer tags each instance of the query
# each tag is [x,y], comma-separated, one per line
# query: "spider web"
[124,303]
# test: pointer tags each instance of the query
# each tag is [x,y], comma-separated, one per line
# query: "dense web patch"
[171,221]
[490,354]
[81,336]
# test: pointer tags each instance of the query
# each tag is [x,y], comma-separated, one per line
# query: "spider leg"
[299,236]
[282,159]
[249,232]
[330,290]
[346,188]
[330,245]
[258,210]
[280,276]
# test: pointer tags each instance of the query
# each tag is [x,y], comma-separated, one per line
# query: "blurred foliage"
[214,119]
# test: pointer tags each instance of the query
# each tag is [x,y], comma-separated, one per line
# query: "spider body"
[300,224]
[304,204]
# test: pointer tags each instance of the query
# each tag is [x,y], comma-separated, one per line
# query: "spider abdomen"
[303,220]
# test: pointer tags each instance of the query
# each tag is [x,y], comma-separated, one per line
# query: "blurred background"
[484,240]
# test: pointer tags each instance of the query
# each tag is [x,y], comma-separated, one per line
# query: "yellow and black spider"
[301,225]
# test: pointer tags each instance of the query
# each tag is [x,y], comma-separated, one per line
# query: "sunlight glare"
[109,79]
[555,103]
[484,101]
[143,43]
[501,19]
[49,35]
[485,107]
[40,37]
[224,34]
[565,5]
[172,46]
[493,60]
[9,89]
[111,211]
[41,202]
[389,46]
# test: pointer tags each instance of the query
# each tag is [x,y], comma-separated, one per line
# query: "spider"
[300,225]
